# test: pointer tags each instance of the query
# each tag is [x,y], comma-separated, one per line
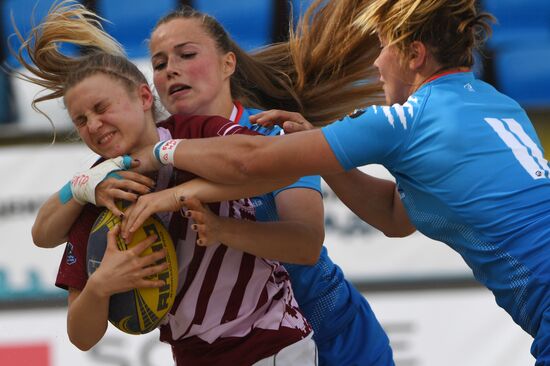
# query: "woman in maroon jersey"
[231,307]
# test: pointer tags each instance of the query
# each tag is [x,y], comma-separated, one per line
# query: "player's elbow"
[315,244]
[84,339]
[37,237]
[81,344]
[41,239]
[311,259]
[399,231]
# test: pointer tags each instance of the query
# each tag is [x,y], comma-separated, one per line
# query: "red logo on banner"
[36,354]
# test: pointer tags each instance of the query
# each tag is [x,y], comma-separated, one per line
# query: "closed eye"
[80,121]
[159,65]
[188,55]
[100,108]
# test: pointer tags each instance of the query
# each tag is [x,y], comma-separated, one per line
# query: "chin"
[180,107]
[113,153]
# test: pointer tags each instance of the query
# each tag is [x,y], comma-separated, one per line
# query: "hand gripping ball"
[140,310]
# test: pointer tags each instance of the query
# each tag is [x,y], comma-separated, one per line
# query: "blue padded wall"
[249,23]
[131,23]
[523,73]
[24,13]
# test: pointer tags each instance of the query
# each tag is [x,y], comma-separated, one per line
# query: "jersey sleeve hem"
[337,148]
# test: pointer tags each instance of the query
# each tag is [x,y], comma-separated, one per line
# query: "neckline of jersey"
[237,112]
[445,73]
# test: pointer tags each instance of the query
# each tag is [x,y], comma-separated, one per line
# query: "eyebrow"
[176,47]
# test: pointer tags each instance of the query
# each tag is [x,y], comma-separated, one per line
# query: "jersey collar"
[237,112]
[445,73]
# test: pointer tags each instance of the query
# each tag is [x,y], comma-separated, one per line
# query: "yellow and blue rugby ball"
[140,310]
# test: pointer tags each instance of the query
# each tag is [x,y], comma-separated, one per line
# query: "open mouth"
[177,88]
[106,138]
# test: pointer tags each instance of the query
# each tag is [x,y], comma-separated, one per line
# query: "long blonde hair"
[334,63]
[324,71]
[69,22]
[452,29]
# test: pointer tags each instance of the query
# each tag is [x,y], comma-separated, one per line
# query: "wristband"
[65,193]
[82,187]
[164,151]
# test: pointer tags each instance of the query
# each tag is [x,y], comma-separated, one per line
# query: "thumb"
[112,236]
[192,203]
[291,127]
[111,206]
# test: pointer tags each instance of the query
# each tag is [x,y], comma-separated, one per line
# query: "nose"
[376,62]
[94,123]
[172,67]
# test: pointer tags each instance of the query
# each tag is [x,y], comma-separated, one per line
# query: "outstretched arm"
[374,200]
[171,199]
[296,238]
[228,159]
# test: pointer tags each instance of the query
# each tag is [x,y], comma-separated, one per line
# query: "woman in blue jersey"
[199,70]
[468,164]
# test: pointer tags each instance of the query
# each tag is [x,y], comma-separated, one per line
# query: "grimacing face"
[109,119]
[190,74]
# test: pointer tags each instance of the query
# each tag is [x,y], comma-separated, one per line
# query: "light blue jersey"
[471,173]
[346,330]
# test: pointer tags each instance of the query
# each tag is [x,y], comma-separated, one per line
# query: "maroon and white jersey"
[231,307]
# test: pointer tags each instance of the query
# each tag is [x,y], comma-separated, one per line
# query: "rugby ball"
[140,310]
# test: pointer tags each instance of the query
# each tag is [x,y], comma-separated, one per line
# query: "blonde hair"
[324,71]
[452,29]
[334,64]
[69,22]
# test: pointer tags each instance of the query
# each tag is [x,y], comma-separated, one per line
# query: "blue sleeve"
[378,135]
[310,181]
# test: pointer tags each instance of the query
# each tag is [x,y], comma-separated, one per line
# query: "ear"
[229,64]
[146,96]
[418,55]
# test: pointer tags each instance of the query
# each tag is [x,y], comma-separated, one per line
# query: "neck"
[150,135]
[216,108]
[222,104]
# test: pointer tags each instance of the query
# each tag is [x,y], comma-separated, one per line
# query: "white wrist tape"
[83,184]
[164,151]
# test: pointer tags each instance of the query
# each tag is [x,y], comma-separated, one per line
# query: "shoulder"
[201,126]
[394,117]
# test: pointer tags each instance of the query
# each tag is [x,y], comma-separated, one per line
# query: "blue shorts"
[362,342]
[346,329]
[541,345]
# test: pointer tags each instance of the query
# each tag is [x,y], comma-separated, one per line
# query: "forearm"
[53,221]
[207,191]
[87,318]
[374,200]
[289,242]
[237,159]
